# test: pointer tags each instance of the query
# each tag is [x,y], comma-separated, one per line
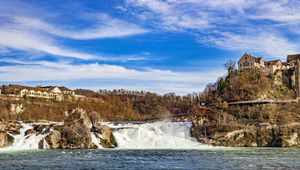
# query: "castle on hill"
[276,68]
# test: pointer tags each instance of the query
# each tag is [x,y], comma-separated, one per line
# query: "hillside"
[262,124]
[111,106]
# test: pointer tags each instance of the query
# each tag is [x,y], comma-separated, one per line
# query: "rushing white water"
[22,141]
[157,135]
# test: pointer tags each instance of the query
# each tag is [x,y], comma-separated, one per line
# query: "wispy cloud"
[167,80]
[104,27]
[25,30]
[264,43]
[168,15]
[229,24]
[17,39]
[36,70]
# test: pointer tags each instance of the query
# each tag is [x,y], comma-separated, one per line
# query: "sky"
[153,45]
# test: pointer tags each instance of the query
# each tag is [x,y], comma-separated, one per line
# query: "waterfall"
[30,141]
[156,135]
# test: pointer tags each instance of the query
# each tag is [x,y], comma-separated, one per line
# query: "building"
[248,61]
[292,59]
[47,92]
[274,67]
[270,67]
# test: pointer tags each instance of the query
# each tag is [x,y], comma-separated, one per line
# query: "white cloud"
[34,35]
[240,25]
[282,11]
[266,43]
[104,27]
[26,41]
[49,71]
[22,37]
[169,15]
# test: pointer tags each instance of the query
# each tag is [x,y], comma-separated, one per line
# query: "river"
[157,145]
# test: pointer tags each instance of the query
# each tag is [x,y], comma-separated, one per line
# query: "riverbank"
[266,125]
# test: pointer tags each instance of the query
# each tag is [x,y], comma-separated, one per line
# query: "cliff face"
[261,135]
[227,129]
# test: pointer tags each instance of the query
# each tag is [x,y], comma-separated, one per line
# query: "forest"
[105,105]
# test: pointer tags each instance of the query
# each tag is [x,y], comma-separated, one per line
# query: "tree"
[229,64]
[221,84]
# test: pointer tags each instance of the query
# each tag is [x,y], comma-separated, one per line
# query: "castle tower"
[298,79]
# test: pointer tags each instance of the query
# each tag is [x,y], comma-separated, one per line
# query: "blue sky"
[157,45]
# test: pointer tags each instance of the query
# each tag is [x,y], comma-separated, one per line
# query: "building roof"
[21,87]
[285,63]
[38,88]
[62,88]
[292,57]
[273,62]
[256,59]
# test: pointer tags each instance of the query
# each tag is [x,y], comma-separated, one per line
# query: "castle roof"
[256,59]
[293,57]
[273,62]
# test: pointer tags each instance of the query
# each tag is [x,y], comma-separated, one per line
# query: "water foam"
[156,135]
[30,141]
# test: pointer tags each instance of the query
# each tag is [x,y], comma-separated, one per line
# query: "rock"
[12,127]
[17,108]
[51,141]
[76,132]
[29,131]
[42,128]
[43,144]
[209,131]
[5,139]
[107,140]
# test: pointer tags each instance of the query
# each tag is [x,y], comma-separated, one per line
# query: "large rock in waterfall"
[76,132]
[5,139]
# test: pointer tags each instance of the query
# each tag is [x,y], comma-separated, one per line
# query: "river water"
[243,158]
[157,145]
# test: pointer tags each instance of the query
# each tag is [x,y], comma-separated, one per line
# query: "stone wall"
[298,79]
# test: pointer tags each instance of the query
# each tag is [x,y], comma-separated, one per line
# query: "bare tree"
[229,64]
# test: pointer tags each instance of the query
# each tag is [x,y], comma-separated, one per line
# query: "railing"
[264,102]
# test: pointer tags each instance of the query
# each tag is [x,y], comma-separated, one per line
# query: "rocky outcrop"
[12,127]
[107,138]
[17,108]
[5,139]
[235,134]
[39,129]
[76,133]
[51,141]
[7,129]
